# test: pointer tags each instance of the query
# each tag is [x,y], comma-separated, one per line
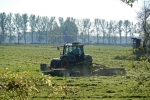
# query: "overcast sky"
[80,9]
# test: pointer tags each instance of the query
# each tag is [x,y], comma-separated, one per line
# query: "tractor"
[73,54]
[74,62]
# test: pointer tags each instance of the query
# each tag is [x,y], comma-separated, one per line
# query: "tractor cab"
[75,50]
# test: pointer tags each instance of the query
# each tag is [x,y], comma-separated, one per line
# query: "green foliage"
[17,85]
[129,2]
[24,25]
[69,30]
[3,22]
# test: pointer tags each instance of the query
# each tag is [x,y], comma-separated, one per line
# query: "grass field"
[21,78]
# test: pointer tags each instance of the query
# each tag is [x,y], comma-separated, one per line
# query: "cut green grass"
[27,58]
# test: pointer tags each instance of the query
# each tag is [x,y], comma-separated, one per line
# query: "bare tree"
[143,17]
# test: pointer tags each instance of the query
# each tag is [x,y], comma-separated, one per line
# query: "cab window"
[68,49]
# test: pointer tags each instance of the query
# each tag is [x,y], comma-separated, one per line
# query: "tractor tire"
[43,67]
[52,65]
[64,62]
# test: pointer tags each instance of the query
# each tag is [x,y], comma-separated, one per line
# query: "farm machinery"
[141,49]
[74,62]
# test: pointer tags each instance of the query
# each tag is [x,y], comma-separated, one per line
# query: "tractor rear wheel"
[52,65]
[64,62]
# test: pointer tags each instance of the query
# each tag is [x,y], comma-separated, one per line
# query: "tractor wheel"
[52,65]
[64,62]
[43,67]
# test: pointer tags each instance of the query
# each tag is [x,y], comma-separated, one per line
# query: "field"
[21,78]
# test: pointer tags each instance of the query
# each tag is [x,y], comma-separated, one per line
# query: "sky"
[79,9]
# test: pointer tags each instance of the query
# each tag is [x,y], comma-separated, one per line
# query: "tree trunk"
[97,39]
[32,36]
[120,39]
[25,37]
[3,31]
[82,37]
[10,38]
[103,37]
[46,37]
[18,37]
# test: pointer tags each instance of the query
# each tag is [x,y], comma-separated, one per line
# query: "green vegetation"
[21,78]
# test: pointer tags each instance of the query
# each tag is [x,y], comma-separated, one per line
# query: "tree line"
[52,30]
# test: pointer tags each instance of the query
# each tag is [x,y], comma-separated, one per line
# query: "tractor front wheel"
[52,64]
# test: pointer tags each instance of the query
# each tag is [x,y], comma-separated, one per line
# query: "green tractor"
[74,62]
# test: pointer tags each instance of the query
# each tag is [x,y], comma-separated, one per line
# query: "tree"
[61,22]
[97,27]
[89,31]
[44,26]
[119,30]
[138,28]
[18,24]
[109,27]
[0,35]
[87,25]
[132,30]
[114,31]
[126,29]
[39,35]
[3,22]
[143,17]
[10,27]
[69,30]
[55,33]
[32,23]
[50,28]
[103,26]
[80,25]
[24,25]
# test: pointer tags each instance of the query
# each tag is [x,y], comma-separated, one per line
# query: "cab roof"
[74,44]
